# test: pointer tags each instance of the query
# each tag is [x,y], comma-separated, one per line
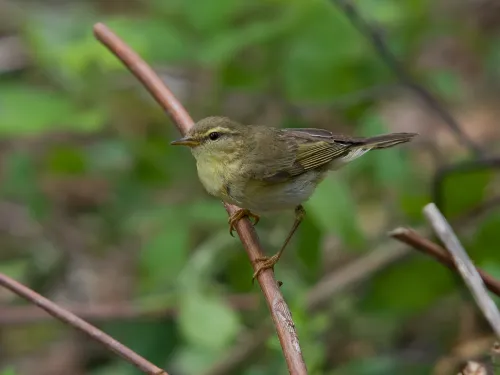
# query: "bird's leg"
[269,262]
[238,215]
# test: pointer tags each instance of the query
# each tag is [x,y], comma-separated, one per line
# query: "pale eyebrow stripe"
[219,130]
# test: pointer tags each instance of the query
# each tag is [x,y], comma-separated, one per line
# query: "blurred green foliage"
[86,150]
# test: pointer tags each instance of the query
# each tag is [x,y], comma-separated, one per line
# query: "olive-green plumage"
[263,168]
[260,168]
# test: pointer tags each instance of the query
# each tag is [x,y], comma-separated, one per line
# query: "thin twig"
[74,321]
[464,265]
[388,57]
[119,311]
[418,242]
[330,286]
[355,272]
[279,310]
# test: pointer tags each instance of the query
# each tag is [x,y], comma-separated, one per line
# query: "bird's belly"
[262,197]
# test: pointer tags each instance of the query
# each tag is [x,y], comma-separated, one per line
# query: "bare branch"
[348,8]
[355,272]
[330,286]
[418,242]
[279,310]
[464,265]
[74,321]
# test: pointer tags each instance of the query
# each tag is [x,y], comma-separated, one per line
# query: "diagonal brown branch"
[333,284]
[277,306]
[418,242]
[70,318]
[337,281]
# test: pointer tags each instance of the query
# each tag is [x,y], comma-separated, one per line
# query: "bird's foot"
[238,215]
[265,263]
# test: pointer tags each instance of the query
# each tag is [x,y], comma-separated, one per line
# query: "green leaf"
[8,371]
[225,46]
[210,16]
[30,111]
[383,11]
[194,359]
[207,321]
[118,368]
[382,365]
[309,247]
[153,39]
[15,268]
[412,203]
[462,191]
[109,155]
[322,57]
[446,83]
[207,211]
[483,247]
[21,182]
[333,208]
[207,260]
[425,282]
[164,254]
[66,160]
[154,340]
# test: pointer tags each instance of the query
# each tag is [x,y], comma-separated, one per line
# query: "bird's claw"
[238,215]
[265,263]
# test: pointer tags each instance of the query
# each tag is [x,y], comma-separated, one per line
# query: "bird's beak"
[185,141]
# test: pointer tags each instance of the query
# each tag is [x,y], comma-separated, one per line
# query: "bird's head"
[214,137]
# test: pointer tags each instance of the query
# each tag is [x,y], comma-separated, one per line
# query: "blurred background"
[101,215]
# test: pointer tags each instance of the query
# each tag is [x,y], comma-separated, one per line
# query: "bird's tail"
[360,146]
[385,140]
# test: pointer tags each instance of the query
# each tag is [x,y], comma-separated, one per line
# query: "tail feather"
[360,146]
[387,140]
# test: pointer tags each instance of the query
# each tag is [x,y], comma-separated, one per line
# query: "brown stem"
[415,240]
[324,292]
[70,318]
[279,310]
[335,282]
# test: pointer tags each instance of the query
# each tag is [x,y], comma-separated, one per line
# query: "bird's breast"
[217,177]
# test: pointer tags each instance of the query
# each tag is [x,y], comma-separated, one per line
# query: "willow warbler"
[260,168]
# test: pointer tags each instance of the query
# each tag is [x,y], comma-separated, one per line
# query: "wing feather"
[312,148]
[281,154]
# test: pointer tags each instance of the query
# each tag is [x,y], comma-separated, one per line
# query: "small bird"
[261,168]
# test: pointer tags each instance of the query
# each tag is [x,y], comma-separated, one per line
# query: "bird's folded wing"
[312,149]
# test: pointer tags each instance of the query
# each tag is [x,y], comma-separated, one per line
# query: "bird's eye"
[214,135]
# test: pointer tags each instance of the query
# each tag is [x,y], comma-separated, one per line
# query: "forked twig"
[464,265]
[279,310]
[74,321]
